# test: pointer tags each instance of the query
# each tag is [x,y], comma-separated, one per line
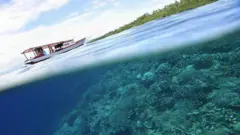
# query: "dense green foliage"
[171,9]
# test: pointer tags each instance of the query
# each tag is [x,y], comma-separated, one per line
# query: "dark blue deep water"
[35,108]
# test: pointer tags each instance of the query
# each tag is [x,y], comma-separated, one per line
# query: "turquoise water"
[173,76]
[189,91]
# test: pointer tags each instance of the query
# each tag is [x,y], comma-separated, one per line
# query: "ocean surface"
[179,75]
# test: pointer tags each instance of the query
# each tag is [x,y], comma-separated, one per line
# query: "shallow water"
[177,75]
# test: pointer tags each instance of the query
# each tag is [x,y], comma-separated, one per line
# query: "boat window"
[30,55]
[46,51]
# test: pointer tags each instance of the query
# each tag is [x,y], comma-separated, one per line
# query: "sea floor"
[191,91]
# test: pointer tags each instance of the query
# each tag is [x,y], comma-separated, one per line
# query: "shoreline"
[177,7]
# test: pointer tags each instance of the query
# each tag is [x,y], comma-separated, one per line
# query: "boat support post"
[25,56]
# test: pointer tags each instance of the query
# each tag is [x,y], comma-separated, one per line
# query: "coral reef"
[192,91]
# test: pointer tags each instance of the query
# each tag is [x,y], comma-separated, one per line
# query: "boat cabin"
[47,49]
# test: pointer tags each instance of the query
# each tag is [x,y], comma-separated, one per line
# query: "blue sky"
[28,23]
[75,7]
[54,16]
[51,12]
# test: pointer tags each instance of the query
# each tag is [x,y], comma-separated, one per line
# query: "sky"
[29,23]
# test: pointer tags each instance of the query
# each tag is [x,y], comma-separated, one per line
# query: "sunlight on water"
[165,34]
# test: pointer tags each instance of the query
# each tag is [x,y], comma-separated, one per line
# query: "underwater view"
[179,75]
[192,91]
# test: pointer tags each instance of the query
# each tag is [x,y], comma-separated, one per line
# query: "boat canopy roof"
[45,46]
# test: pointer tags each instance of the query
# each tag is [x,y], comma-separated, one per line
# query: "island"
[168,10]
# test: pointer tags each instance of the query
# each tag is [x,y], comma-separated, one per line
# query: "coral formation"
[193,91]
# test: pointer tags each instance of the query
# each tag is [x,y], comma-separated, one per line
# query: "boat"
[50,50]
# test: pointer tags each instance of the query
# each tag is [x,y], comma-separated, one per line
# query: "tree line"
[168,10]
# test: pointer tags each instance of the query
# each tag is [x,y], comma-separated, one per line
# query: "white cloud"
[161,3]
[18,13]
[101,3]
[89,24]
